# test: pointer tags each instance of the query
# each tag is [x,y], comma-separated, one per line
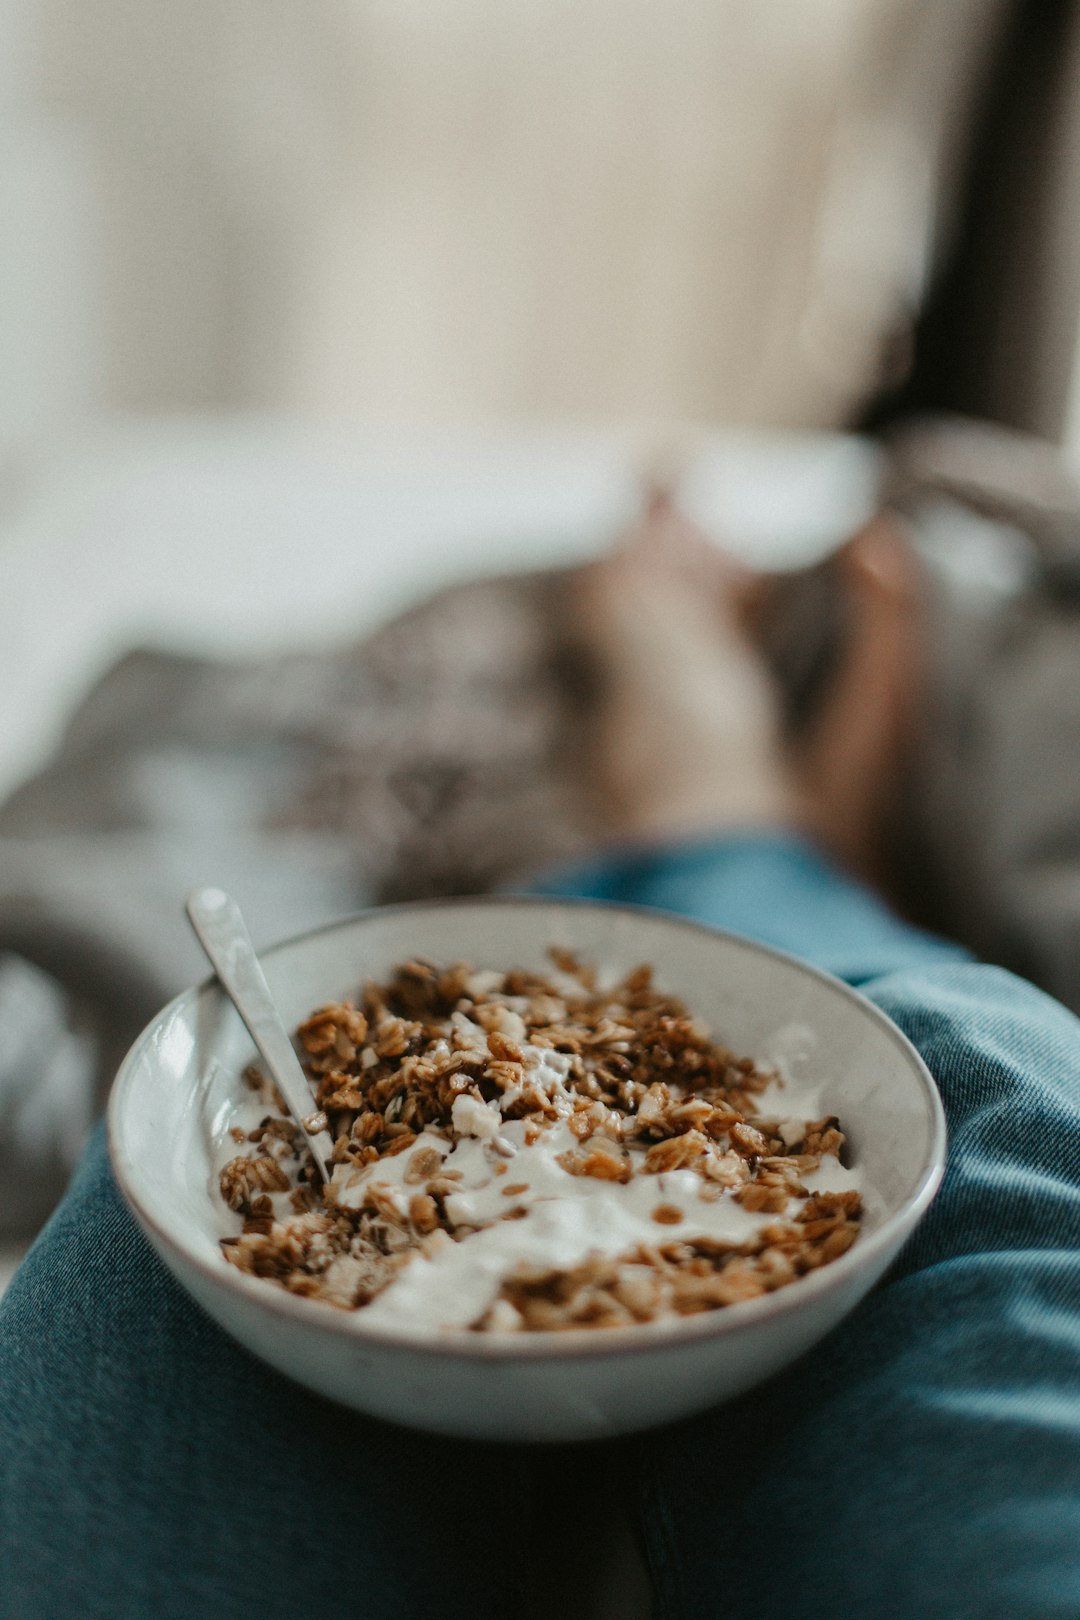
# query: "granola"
[532,1151]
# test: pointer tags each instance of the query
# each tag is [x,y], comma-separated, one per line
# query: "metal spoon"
[223,935]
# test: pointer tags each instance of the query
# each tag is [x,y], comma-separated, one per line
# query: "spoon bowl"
[223,935]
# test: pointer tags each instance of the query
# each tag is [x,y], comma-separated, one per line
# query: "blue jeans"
[922,1462]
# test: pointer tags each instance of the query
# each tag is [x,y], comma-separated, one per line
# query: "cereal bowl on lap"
[595,1167]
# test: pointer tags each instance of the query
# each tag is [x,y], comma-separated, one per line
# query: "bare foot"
[688,732]
[688,736]
[850,763]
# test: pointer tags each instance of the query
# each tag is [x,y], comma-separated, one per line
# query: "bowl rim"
[569,1344]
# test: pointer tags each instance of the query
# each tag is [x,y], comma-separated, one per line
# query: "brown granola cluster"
[645,1092]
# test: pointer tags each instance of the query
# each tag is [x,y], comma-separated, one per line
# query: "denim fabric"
[923,1462]
[775,888]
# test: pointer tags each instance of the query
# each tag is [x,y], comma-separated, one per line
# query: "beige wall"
[432,209]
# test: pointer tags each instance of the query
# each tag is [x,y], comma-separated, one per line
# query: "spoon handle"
[223,935]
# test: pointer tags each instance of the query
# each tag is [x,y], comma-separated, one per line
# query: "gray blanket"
[443,755]
[436,757]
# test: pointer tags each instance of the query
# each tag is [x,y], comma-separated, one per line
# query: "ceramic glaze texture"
[175,1094]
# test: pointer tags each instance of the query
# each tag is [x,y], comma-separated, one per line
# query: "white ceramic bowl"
[171,1101]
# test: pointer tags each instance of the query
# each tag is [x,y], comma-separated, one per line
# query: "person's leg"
[150,1467]
[924,1460]
[774,886]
